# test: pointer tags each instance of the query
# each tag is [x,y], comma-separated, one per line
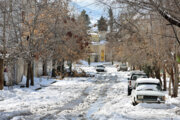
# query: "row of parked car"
[143,89]
[121,67]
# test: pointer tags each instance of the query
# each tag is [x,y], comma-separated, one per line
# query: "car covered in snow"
[133,76]
[147,90]
[122,67]
[100,68]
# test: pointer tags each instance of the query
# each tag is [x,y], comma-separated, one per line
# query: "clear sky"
[92,7]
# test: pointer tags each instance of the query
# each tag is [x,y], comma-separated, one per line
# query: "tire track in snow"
[99,91]
[68,106]
[108,80]
[99,102]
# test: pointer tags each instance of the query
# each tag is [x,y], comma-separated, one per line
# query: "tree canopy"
[85,17]
[102,24]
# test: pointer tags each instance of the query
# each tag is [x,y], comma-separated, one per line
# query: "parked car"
[100,68]
[122,67]
[147,90]
[134,75]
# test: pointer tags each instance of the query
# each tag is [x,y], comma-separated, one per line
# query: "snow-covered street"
[103,97]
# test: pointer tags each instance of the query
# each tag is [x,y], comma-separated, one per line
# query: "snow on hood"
[150,93]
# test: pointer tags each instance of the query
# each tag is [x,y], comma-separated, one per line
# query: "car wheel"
[134,103]
[129,91]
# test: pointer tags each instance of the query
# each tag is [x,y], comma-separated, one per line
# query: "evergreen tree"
[111,19]
[85,17]
[102,24]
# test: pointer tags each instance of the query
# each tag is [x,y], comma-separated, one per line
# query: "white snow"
[103,97]
[147,80]
[150,93]
[146,87]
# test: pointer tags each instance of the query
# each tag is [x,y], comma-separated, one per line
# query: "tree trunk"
[1,74]
[89,60]
[63,69]
[45,68]
[164,80]
[157,74]
[140,68]
[28,74]
[133,67]
[32,73]
[170,86]
[172,81]
[54,63]
[151,72]
[70,67]
[176,81]
[63,66]
[172,77]
[170,72]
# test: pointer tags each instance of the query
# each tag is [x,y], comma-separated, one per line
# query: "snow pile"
[27,101]
[38,82]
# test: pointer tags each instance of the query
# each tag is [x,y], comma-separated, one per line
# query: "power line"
[87,5]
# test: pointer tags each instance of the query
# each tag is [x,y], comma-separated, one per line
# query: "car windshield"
[136,76]
[148,87]
[123,65]
[100,66]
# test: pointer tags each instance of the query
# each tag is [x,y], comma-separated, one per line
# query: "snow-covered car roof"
[147,80]
[137,72]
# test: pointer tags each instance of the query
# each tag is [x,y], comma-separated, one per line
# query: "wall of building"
[97,47]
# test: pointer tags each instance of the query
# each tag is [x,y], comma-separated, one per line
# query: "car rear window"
[138,76]
[100,66]
[148,86]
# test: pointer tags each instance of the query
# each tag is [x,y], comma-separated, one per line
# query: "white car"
[122,67]
[147,90]
[134,75]
[100,68]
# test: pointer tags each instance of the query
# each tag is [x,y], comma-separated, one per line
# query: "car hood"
[150,93]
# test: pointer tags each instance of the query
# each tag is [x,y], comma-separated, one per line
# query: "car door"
[133,94]
[133,81]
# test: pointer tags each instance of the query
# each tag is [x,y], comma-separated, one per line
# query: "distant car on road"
[147,90]
[122,67]
[100,68]
[134,75]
